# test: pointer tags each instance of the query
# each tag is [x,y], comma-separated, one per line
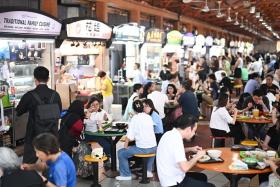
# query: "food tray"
[242,148]
[211,160]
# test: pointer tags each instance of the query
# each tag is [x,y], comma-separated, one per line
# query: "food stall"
[173,50]
[27,41]
[124,53]
[151,52]
[125,48]
[82,54]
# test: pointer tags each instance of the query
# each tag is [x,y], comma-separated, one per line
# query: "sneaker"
[123,178]
[150,174]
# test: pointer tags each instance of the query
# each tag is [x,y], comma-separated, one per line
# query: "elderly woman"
[10,170]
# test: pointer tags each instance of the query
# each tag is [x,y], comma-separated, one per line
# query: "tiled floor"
[213,177]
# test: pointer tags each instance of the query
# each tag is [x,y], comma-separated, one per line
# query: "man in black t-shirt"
[269,86]
[260,102]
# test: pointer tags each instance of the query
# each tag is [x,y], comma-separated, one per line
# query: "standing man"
[32,102]
[188,100]
[137,75]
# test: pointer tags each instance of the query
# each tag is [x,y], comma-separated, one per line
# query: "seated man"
[172,165]
[268,86]
[260,102]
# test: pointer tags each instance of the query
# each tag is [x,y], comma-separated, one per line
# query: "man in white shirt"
[159,99]
[172,165]
[137,75]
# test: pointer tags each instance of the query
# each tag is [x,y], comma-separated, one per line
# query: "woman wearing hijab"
[71,127]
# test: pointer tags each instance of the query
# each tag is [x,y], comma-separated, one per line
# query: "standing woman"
[149,109]
[238,68]
[71,127]
[107,91]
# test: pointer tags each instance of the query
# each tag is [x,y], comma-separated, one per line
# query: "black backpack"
[46,115]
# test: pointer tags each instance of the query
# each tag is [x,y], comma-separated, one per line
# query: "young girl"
[94,118]
[141,130]
[171,92]
[149,109]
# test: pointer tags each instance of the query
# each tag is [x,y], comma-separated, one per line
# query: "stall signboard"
[154,36]
[91,29]
[129,32]
[28,23]
[174,37]
[200,40]
[188,39]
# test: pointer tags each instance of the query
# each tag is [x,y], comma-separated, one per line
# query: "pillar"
[49,6]
[134,16]
[102,11]
[159,22]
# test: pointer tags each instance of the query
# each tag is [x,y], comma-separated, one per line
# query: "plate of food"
[243,117]
[259,155]
[204,158]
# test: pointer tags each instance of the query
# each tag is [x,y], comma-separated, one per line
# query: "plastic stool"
[145,179]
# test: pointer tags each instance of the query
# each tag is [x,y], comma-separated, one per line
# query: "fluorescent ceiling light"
[252,10]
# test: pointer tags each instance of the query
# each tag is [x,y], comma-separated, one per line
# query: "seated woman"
[272,140]
[93,122]
[10,170]
[71,127]
[60,167]
[171,92]
[220,120]
[141,130]
[149,109]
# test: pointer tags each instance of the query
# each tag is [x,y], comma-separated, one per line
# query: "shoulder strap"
[52,97]
[37,98]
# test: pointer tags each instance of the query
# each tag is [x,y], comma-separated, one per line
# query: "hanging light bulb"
[236,19]
[229,18]
[258,14]
[252,10]
[242,23]
[261,19]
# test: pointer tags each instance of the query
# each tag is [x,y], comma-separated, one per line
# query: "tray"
[242,148]
[218,160]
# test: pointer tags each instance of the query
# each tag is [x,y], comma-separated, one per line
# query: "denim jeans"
[125,154]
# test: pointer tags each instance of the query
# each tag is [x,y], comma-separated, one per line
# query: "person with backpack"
[71,127]
[44,107]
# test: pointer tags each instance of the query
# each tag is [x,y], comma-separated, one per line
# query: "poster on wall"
[89,29]
[27,22]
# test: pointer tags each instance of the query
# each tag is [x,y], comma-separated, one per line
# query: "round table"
[233,175]
[254,120]
[113,142]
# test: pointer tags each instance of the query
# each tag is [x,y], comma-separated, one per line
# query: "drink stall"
[27,40]
[81,55]
[151,52]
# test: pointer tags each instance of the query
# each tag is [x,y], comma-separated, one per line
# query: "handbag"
[273,180]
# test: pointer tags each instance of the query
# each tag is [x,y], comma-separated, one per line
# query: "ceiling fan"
[192,1]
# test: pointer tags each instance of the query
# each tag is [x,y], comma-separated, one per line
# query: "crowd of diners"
[151,129]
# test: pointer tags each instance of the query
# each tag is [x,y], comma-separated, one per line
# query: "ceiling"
[269,11]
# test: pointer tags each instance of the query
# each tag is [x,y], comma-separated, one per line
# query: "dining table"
[254,120]
[113,137]
[232,175]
